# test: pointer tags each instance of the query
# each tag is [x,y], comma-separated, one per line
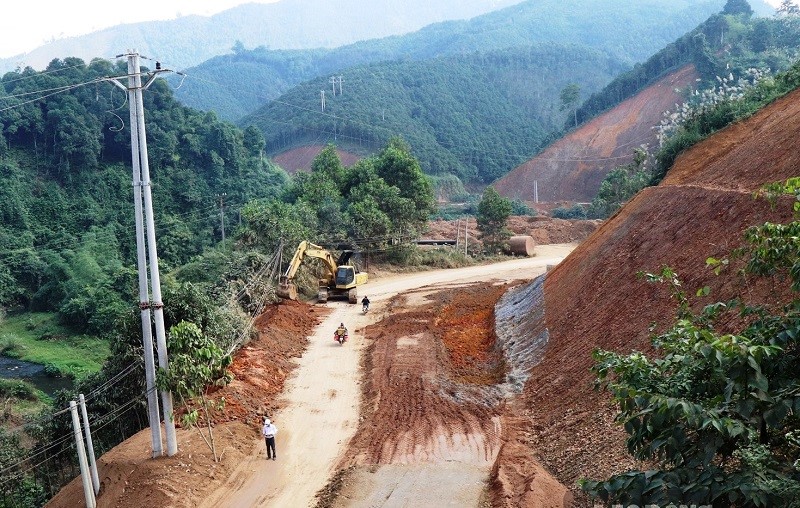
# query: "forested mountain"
[629,30]
[66,211]
[286,24]
[472,116]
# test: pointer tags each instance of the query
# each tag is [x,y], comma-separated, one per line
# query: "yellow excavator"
[341,279]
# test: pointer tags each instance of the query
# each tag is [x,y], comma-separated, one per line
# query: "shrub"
[576,211]
[18,389]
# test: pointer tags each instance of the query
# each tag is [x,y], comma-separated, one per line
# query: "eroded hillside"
[572,168]
[595,299]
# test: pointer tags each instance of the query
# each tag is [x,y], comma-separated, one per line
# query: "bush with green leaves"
[620,185]
[196,363]
[18,486]
[576,211]
[18,389]
[717,411]
[493,213]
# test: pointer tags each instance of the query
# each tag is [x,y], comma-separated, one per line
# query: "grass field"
[37,337]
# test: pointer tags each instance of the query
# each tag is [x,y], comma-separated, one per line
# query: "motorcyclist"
[341,331]
[365,303]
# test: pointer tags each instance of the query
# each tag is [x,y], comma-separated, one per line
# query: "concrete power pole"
[146,239]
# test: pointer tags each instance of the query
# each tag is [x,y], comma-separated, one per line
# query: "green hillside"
[630,30]
[724,44]
[66,211]
[472,116]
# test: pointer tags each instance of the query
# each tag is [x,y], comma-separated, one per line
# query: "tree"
[788,8]
[267,223]
[570,97]
[718,412]
[328,163]
[493,213]
[398,168]
[620,185]
[196,362]
[736,7]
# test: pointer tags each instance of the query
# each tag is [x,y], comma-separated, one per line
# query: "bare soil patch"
[594,298]
[572,168]
[300,159]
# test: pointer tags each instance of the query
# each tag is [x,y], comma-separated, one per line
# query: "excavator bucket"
[286,290]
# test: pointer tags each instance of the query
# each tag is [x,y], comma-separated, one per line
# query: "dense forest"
[66,222]
[236,84]
[472,116]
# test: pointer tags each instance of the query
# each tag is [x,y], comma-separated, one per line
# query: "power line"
[116,413]
[377,130]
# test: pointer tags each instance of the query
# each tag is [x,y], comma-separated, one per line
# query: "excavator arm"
[308,249]
[286,287]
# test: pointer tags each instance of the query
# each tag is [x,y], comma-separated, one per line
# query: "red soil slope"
[300,159]
[594,298]
[572,168]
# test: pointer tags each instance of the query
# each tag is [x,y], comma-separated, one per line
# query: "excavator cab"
[345,275]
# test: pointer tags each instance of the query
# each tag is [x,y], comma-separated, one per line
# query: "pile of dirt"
[572,168]
[260,367]
[544,230]
[594,298]
[129,477]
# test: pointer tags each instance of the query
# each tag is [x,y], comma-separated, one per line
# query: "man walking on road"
[269,430]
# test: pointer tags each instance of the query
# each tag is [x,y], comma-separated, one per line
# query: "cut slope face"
[572,168]
[301,158]
[595,299]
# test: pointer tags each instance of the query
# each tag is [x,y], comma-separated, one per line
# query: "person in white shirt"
[269,430]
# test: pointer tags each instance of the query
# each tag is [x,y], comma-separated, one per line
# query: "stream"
[11,368]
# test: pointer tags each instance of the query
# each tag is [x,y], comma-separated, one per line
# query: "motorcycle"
[341,338]
[365,308]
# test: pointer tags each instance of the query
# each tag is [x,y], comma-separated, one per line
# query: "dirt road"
[321,413]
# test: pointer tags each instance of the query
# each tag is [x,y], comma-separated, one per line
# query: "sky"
[28,24]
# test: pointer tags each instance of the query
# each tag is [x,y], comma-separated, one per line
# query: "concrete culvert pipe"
[521,245]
